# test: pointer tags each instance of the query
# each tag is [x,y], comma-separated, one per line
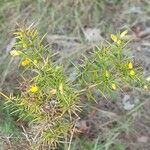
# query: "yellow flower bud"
[107,74]
[119,42]
[124,33]
[130,65]
[148,78]
[53,91]
[24,45]
[145,87]
[113,86]
[61,88]
[132,72]
[114,38]
[35,62]
[15,53]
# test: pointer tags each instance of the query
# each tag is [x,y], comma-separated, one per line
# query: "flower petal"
[114,38]
[15,53]
[123,33]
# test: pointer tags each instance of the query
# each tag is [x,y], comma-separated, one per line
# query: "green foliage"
[7,125]
[48,100]
[110,68]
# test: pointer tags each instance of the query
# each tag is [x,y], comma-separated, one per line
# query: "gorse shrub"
[48,100]
[46,97]
[110,68]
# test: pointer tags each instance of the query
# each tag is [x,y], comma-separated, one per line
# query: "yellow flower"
[25,62]
[130,65]
[132,72]
[113,86]
[34,89]
[61,88]
[53,91]
[15,53]
[124,33]
[114,38]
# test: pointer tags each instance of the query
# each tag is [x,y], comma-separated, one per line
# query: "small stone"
[128,106]
[142,139]
[126,103]
[92,34]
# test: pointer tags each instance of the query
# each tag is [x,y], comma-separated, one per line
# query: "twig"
[71,137]
[26,135]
